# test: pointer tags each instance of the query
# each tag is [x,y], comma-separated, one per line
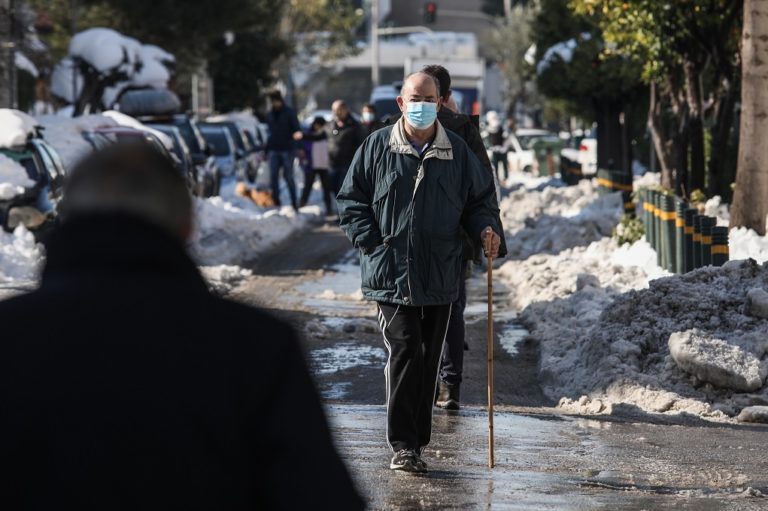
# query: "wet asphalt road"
[545,460]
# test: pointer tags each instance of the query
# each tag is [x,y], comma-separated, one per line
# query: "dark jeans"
[282,160]
[338,173]
[414,337]
[325,182]
[452,363]
[497,157]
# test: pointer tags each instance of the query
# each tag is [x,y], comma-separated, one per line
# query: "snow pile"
[546,277]
[233,230]
[746,243]
[686,344]
[65,135]
[536,198]
[15,127]
[223,278]
[13,178]
[553,234]
[20,257]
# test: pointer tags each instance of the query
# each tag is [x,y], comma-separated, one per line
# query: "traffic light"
[430,12]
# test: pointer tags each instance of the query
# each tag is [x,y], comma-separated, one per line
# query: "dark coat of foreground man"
[125,384]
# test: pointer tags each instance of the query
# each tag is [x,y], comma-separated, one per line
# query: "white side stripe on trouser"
[383,324]
[437,376]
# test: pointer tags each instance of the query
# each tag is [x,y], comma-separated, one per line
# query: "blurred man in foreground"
[125,384]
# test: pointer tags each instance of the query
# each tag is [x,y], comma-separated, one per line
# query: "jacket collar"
[440,147]
[101,246]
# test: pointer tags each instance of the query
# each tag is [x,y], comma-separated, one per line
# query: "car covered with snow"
[31,175]
[103,137]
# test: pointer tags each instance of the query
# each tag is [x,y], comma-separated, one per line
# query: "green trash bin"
[546,150]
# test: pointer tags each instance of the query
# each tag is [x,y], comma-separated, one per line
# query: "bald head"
[339,109]
[421,84]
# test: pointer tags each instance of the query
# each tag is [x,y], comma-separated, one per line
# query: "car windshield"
[236,136]
[191,136]
[218,139]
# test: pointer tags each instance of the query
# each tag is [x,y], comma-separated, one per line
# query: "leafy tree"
[238,69]
[506,44]
[688,50]
[594,85]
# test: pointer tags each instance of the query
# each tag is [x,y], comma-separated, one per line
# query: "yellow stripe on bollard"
[720,249]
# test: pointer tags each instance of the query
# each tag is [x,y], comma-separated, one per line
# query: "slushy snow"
[20,256]
[615,329]
[15,127]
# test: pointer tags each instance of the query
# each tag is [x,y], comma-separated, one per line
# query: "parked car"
[245,152]
[224,149]
[35,208]
[520,159]
[159,107]
[180,149]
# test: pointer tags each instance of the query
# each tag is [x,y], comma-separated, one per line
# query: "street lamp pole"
[375,78]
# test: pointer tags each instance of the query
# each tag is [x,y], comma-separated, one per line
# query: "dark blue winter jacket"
[282,123]
[404,211]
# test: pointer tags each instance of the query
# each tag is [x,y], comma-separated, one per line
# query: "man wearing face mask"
[410,189]
[370,119]
[344,135]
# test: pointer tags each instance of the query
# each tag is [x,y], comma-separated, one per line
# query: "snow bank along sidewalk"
[610,335]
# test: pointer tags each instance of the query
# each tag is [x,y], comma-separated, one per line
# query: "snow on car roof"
[15,127]
[128,121]
[13,178]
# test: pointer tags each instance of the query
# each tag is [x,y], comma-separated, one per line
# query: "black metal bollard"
[689,260]
[657,210]
[707,223]
[680,207]
[668,217]
[720,249]
[697,241]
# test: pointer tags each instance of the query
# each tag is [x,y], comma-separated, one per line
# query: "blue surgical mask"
[421,114]
[369,117]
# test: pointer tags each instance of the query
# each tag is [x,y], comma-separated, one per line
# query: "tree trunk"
[659,136]
[6,56]
[721,134]
[613,143]
[695,127]
[750,201]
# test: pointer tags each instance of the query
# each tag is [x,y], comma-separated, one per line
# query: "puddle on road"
[337,292]
[346,355]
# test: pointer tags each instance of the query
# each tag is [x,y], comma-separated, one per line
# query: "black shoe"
[447,396]
[407,460]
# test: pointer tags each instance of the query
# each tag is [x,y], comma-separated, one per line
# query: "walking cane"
[488,243]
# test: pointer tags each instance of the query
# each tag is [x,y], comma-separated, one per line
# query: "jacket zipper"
[419,176]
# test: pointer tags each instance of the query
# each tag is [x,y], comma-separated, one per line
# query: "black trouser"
[414,338]
[325,183]
[452,363]
[500,157]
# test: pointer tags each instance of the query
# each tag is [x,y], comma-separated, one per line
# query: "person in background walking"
[344,135]
[126,384]
[316,155]
[497,143]
[409,190]
[284,130]
[370,118]
[452,361]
